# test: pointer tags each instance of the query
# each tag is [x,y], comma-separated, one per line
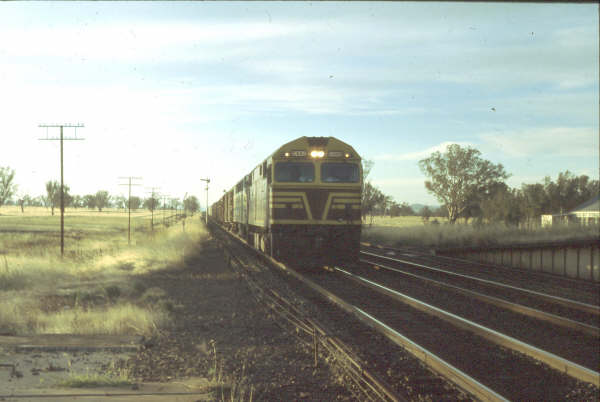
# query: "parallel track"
[584,327]
[461,338]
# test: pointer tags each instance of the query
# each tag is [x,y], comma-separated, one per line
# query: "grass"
[93,290]
[411,231]
[114,377]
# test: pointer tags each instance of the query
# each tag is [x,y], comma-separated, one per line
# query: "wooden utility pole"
[62,184]
[207,180]
[129,204]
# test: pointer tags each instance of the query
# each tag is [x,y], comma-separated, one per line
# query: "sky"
[177,92]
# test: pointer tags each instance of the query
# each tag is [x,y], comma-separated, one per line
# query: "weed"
[113,378]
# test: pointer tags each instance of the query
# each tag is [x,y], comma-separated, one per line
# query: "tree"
[89,201]
[102,199]
[568,191]
[52,189]
[504,205]
[24,200]
[151,203]
[191,204]
[7,187]
[372,198]
[459,178]
[77,201]
[53,195]
[135,202]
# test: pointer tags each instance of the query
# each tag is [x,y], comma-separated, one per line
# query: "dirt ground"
[221,333]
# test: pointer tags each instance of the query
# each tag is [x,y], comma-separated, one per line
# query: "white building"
[584,214]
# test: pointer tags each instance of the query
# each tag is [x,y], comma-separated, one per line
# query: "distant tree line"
[100,200]
[473,188]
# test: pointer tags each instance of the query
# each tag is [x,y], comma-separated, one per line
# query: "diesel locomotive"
[301,205]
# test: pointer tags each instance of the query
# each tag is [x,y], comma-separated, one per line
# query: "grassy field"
[412,231]
[93,290]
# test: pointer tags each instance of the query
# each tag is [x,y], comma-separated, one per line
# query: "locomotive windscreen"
[339,173]
[297,172]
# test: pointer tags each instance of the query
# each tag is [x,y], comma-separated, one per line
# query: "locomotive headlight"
[347,155]
[317,154]
[287,154]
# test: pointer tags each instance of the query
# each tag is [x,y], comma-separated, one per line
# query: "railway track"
[556,287]
[390,330]
[558,310]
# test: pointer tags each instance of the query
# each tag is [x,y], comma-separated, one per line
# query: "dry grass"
[408,231]
[103,268]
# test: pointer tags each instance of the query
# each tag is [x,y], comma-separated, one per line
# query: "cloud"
[418,155]
[552,141]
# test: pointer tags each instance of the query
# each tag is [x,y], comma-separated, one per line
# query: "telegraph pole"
[129,204]
[62,184]
[207,180]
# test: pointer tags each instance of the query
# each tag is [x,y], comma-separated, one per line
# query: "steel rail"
[320,335]
[570,368]
[518,308]
[453,374]
[589,308]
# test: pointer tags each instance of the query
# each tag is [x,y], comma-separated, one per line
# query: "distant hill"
[418,207]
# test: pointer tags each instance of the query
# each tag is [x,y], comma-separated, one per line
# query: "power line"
[129,203]
[62,189]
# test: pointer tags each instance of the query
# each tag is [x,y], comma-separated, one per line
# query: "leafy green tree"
[7,187]
[568,191]
[534,201]
[102,199]
[504,205]
[459,178]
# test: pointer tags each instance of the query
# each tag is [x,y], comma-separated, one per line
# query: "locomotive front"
[315,201]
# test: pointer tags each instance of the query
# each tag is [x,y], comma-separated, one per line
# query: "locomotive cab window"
[339,173]
[296,172]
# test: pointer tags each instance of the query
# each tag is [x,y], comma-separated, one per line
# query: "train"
[301,205]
